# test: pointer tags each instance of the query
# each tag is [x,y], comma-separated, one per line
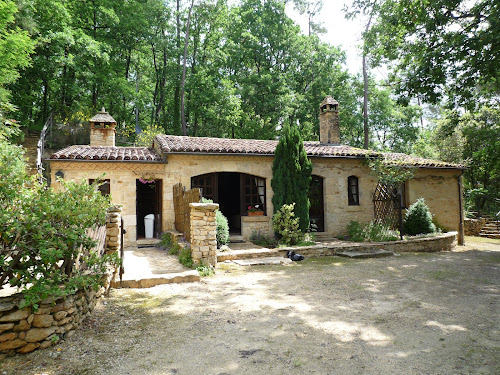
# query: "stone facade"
[203,233]
[439,187]
[102,136]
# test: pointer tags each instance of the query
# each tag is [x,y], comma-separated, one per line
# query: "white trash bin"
[149,224]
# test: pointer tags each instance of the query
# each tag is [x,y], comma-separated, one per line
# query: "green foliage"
[261,240]
[388,173]
[44,232]
[286,225]
[292,175]
[185,256]
[222,234]
[205,271]
[418,219]
[374,231]
[146,137]
[437,48]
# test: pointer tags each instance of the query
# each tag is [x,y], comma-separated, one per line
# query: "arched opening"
[234,192]
[317,207]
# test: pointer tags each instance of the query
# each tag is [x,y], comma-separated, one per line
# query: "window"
[103,187]
[402,190]
[353,191]
[254,192]
[208,185]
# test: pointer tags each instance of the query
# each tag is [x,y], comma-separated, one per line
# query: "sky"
[340,32]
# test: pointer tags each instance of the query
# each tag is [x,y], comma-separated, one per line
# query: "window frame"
[353,196]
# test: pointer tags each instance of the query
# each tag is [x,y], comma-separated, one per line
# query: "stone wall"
[23,330]
[113,229]
[442,242]
[439,187]
[472,227]
[203,233]
[257,224]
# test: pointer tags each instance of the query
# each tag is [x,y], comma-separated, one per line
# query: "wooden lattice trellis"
[386,205]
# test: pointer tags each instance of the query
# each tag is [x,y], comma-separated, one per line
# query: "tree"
[292,175]
[15,49]
[438,49]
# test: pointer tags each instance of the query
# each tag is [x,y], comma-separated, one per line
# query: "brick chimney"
[329,126]
[102,129]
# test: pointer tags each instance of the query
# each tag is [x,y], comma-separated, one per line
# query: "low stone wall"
[442,242]
[113,229]
[257,224]
[23,330]
[472,227]
[203,233]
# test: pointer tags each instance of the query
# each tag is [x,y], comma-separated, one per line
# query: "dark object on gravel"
[294,257]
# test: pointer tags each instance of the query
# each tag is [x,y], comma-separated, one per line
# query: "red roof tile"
[107,153]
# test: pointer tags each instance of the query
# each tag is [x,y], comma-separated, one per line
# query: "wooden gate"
[182,198]
[386,205]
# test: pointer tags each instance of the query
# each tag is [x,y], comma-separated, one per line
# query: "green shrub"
[205,271]
[222,234]
[185,256]
[264,241]
[418,219]
[374,231]
[166,241]
[286,225]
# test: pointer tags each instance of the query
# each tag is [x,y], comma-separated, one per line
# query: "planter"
[255,213]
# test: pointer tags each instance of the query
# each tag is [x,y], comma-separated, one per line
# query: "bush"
[222,235]
[374,231]
[286,225]
[418,219]
[185,256]
[264,241]
[43,232]
[205,271]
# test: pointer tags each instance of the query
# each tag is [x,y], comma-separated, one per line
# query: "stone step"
[494,236]
[366,254]
[148,242]
[171,278]
[246,254]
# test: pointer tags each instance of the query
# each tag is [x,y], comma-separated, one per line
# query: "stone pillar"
[329,124]
[203,233]
[113,229]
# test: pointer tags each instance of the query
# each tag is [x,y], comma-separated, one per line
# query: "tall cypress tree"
[292,175]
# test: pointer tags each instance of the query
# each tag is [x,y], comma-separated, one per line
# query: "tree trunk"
[183,82]
[365,104]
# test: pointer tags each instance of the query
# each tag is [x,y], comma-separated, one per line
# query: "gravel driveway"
[410,314]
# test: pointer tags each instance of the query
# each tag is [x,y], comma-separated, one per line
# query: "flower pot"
[255,213]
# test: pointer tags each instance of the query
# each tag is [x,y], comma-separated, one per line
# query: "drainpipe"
[461,239]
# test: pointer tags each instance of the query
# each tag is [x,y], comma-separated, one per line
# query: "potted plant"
[255,211]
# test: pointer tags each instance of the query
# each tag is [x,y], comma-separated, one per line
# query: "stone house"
[237,174]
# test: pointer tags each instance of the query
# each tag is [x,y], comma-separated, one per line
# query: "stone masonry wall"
[472,227]
[203,233]
[257,224]
[113,229]
[23,330]
[439,187]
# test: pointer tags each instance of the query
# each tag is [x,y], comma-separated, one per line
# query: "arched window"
[353,191]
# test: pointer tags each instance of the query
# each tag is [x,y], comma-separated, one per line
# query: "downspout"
[461,239]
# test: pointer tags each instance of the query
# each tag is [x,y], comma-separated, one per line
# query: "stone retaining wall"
[258,224]
[203,233]
[23,330]
[442,242]
[472,227]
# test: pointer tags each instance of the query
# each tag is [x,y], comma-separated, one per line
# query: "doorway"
[148,201]
[229,199]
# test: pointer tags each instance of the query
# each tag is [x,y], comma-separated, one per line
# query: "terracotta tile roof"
[409,160]
[181,144]
[107,153]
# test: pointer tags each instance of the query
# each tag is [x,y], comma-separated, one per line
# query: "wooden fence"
[182,198]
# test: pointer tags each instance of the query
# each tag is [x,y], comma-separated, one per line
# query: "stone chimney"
[102,129]
[329,126]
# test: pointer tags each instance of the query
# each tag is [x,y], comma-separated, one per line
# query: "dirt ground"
[409,314]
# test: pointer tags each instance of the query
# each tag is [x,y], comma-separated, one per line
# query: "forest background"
[242,69]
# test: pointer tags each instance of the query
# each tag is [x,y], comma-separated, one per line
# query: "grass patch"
[443,275]
[471,239]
